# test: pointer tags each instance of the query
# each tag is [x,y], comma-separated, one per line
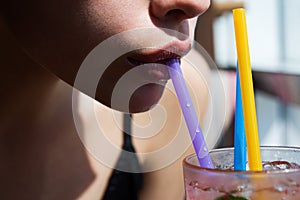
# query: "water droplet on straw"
[188,105]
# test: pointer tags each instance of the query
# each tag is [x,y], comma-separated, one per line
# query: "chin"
[145,97]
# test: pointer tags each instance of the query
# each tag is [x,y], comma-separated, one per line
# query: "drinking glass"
[225,183]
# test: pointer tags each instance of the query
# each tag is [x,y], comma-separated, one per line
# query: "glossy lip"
[156,58]
[175,49]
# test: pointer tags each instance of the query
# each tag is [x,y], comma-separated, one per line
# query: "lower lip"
[154,71]
[160,75]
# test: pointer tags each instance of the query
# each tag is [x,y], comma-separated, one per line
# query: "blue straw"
[189,114]
[239,131]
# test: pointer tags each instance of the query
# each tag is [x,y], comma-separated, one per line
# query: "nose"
[178,9]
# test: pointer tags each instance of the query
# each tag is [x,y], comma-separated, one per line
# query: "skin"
[43,44]
[59,34]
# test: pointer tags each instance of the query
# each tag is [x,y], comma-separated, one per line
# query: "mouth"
[154,60]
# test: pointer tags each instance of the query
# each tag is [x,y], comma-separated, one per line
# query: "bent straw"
[189,114]
[239,130]
[247,89]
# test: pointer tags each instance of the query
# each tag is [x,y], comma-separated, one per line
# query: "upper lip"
[176,49]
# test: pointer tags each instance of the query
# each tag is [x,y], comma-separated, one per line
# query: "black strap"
[125,185]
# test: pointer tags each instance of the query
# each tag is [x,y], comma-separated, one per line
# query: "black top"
[125,185]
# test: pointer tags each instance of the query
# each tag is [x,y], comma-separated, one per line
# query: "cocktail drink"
[280,178]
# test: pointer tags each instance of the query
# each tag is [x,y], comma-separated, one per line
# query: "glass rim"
[248,172]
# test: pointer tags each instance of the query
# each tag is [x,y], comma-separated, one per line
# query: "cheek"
[117,16]
[60,34]
[74,31]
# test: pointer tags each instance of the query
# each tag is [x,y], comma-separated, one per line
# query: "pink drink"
[279,180]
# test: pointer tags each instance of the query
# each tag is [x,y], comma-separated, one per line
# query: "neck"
[27,89]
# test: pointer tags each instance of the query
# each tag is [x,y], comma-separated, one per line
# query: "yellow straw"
[248,101]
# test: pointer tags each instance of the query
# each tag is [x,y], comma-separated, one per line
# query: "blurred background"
[273,31]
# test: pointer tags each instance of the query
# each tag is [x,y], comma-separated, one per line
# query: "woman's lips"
[154,59]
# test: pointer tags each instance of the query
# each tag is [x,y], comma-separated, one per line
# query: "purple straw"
[189,114]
